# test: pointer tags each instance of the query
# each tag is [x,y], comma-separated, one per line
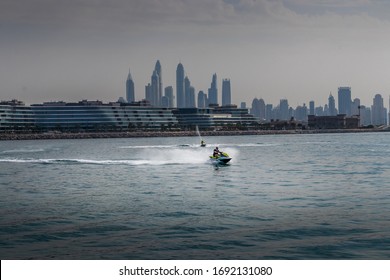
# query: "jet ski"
[222,158]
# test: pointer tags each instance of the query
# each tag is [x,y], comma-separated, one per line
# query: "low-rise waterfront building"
[216,117]
[15,116]
[340,121]
[99,116]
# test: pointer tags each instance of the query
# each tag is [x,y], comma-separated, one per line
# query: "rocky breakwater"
[128,134]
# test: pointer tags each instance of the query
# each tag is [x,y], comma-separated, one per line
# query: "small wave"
[22,151]
[148,147]
[161,146]
[104,162]
[255,145]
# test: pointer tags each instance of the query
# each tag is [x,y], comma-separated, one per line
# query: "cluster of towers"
[368,115]
[185,92]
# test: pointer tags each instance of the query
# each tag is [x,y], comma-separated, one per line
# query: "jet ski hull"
[220,160]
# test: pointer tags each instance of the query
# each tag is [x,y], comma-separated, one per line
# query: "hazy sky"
[302,50]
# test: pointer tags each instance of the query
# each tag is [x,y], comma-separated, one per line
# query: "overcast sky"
[52,50]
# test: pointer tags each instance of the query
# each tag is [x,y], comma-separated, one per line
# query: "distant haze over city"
[299,50]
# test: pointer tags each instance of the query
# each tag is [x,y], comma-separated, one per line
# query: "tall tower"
[283,107]
[378,111]
[169,94]
[148,92]
[155,89]
[255,110]
[180,95]
[344,97]
[355,105]
[202,99]
[311,108]
[187,89]
[130,95]
[331,105]
[191,97]
[158,70]
[213,91]
[261,109]
[226,92]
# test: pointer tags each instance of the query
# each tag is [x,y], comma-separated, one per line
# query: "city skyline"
[292,49]
[258,107]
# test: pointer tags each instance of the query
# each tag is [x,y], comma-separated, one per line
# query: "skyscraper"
[213,91]
[191,98]
[148,92]
[311,108]
[226,92]
[258,108]
[202,99]
[355,105]
[187,89]
[269,113]
[331,105]
[169,94]
[155,89]
[283,107]
[255,110]
[261,109]
[378,111]
[180,95]
[344,100]
[130,95]
[158,70]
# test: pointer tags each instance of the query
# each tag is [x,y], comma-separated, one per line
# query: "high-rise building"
[269,115]
[261,109]
[243,105]
[187,88]
[148,92]
[300,113]
[355,105]
[169,95]
[213,91]
[388,115]
[164,102]
[319,111]
[158,70]
[155,89]
[130,94]
[202,99]
[180,94]
[226,92]
[344,100]
[258,109]
[378,111]
[365,116]
[284,112]
[331,106]
[255,110]
[191,98]
[311,108]
[326,110]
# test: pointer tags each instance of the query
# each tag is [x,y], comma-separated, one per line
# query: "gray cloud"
[83,48]
[124,14]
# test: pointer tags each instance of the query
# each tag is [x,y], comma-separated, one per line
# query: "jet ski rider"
[216,152]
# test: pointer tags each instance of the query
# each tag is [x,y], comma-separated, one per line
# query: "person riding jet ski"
[216,152]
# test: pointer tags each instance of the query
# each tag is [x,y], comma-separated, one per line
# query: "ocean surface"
[322,196]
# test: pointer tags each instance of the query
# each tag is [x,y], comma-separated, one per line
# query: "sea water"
[320,196]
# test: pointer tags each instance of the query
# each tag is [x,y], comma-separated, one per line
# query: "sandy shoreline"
[93,135]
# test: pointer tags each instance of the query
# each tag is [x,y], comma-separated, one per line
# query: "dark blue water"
[324,196]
